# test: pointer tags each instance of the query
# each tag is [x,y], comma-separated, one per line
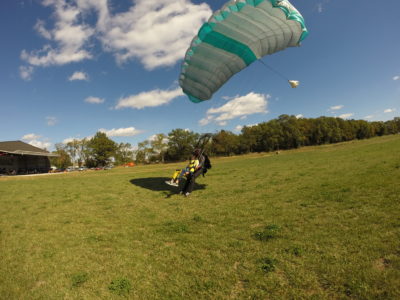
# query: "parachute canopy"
[235,36]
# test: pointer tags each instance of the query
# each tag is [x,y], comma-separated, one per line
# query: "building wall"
[23,164]
[8,163]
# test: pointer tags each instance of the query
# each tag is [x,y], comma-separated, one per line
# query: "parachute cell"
[235,36]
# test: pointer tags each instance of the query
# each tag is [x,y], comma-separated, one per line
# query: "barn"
[17,157]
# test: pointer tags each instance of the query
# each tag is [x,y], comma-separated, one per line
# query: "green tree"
[123,153]
[101,149]
[72,148]
[347,130]
[393,126]
[364,129]
[248,139]
[160,146]
[270,136]
[225,143]
[289,132]
[306,127]
[77,149]
[396,120]
[181,144]
[143,152]
[63,160]
[140,156]
[82,152]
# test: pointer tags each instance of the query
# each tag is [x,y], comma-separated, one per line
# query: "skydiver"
[177,176]
[195,169]
[190,168]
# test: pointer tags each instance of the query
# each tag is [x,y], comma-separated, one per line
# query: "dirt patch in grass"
[382,264]
[237,289]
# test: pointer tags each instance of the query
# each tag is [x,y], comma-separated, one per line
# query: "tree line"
[285,132]
[289,132]
[98,151]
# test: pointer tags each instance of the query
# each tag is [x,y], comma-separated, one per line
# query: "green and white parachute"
[238,34]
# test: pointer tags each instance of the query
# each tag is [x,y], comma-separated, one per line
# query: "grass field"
[314,223]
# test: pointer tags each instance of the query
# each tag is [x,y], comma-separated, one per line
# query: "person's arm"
[201,161]
[194,166]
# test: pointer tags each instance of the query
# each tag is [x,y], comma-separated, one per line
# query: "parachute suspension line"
[293,83]
[273,70]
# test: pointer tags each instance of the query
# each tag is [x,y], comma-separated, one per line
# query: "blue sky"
[71,68]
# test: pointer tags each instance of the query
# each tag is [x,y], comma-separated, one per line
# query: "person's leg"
[183,171]
[187,183]
[192,181]
[176,174]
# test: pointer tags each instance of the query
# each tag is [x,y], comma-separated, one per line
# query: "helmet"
[196,152]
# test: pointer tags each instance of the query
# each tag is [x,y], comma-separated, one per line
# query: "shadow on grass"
[158,184]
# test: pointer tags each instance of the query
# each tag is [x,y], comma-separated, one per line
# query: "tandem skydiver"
[199,164]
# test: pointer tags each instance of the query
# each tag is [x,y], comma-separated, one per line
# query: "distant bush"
[176,227]
[120,286]
[267,264]
[269,232]
[296,251]
[79,278]
[197,218]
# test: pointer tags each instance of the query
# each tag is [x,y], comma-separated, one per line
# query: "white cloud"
[149,99]
[51,121]
[396,78]
[94,100]
[71,139]
[299,116]
[389,110]
[369,117]
[37,141]
[68,140]
[321,6]
[336,107]
[239,107]
[156,32]
[78,75]
[40,28]
[26,72]
[67,40]
[346,116]
[30,136]
[154,137]
[208,119]
[41,144]
[130,131]
[240,127]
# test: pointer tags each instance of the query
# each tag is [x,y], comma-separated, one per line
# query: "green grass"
[314,223]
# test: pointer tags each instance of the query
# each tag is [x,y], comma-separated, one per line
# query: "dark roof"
[18,147]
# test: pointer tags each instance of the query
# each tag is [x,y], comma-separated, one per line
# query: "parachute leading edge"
[235,36]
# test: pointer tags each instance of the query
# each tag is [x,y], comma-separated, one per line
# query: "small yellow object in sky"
[294,83]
